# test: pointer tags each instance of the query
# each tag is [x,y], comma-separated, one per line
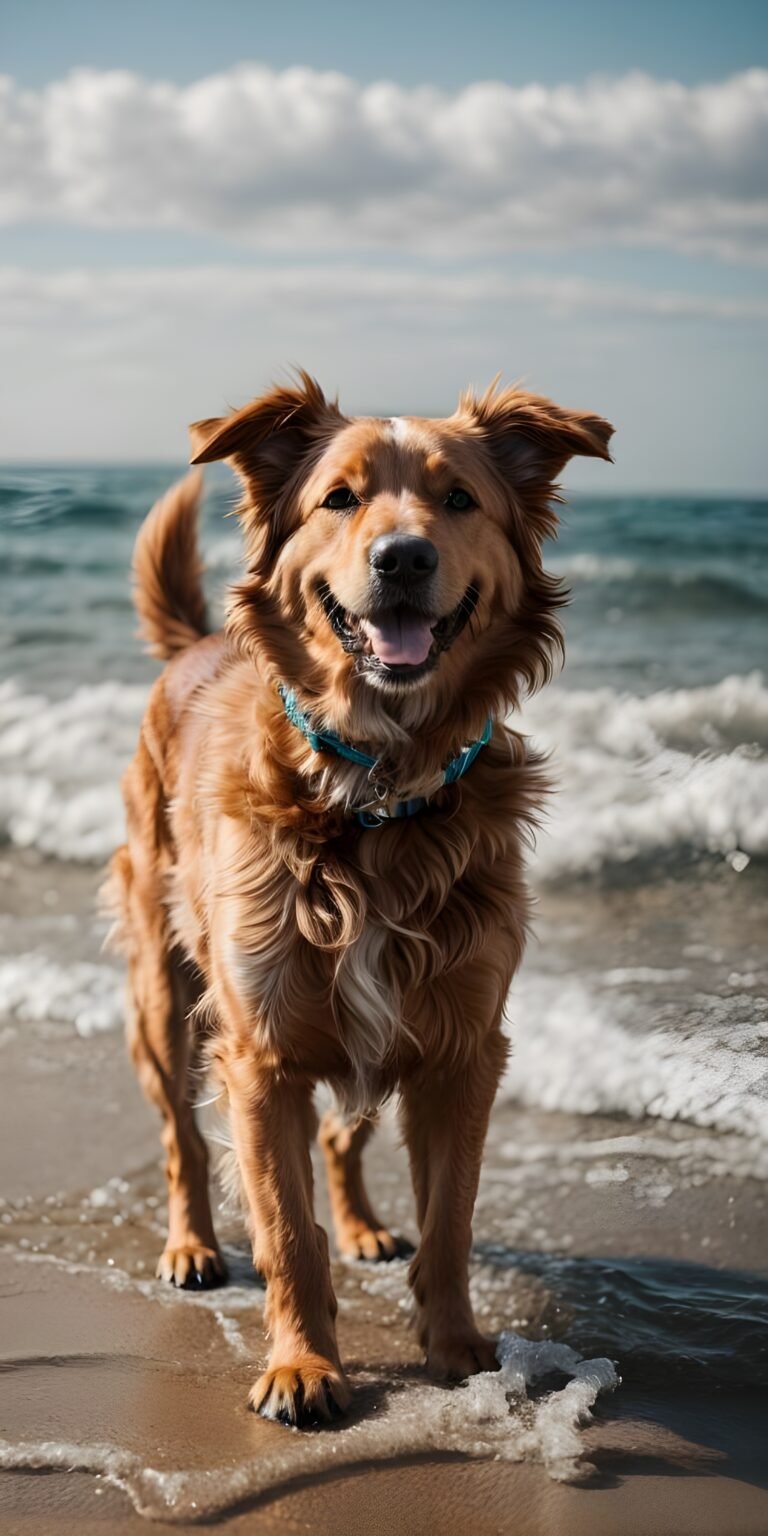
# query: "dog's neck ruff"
[384,807]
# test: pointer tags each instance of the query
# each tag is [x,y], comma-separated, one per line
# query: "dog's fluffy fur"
[248,896]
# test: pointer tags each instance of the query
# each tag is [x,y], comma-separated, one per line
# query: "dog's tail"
[167,572]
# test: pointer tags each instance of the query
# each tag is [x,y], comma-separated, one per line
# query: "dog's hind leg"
[162,991]
[359,1233]
[161,1037]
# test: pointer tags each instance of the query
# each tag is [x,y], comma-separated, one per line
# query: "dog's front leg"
[272,1121]
[445,1116]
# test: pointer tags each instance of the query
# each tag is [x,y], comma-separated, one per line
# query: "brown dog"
[327,819]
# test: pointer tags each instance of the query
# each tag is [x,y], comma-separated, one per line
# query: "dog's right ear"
[268,441]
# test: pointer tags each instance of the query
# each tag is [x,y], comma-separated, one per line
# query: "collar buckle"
[386,804]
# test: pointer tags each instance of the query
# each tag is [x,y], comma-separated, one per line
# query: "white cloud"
[83,299]
[113,364]
[307,161]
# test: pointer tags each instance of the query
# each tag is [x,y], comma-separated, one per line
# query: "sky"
[403,199]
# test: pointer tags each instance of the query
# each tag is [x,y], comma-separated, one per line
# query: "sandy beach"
[643,1242]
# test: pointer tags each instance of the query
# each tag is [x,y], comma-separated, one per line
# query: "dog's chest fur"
[368,996]
[368,1001]
[356,989]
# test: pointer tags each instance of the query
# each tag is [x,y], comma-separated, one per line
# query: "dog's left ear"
[531,438]
[268,441]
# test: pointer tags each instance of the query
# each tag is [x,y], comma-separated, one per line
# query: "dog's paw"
[460,1356]
[308,1393]
[375,1244]
[192,1268]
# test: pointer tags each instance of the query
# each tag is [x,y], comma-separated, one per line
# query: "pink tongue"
[402,640]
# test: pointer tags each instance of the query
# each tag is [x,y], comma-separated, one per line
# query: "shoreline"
[636,1239]
[95,1354]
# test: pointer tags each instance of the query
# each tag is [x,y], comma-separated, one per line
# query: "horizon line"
[177,466]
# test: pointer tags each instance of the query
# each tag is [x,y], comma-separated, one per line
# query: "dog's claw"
[191,1268]
[404,1249]
[306,1395]
[334,1409]
[377,1247]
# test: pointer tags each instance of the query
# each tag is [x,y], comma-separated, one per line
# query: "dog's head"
[400,556]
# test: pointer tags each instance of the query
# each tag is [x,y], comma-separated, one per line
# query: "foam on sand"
[489,1416]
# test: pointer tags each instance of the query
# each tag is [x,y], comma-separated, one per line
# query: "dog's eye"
[341,500]
[459,500]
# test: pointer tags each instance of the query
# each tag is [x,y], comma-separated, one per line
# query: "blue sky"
[341,186]
[447,44]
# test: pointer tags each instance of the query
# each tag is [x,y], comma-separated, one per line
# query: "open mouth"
[398,644]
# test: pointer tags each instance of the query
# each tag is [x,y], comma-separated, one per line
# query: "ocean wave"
[86,996]
[223,554]
[676,774]
[589,567]
[579,1051]
[658,588]
[60,765]
[29,562]
[58,506]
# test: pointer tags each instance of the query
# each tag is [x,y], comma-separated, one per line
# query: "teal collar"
[387,809]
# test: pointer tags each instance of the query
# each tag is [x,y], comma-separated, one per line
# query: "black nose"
[403,557]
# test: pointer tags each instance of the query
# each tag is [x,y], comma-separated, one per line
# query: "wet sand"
[96,1354]
[122,1399]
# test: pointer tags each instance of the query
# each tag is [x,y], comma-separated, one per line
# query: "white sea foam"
[577,1050]
[34,989]
[676,771]
[589,567]
[60,765]
[491,1416]
[224,554]
[693,1156]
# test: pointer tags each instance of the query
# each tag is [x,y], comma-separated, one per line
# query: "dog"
[327,822]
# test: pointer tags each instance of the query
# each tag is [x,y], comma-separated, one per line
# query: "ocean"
[640,1019]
